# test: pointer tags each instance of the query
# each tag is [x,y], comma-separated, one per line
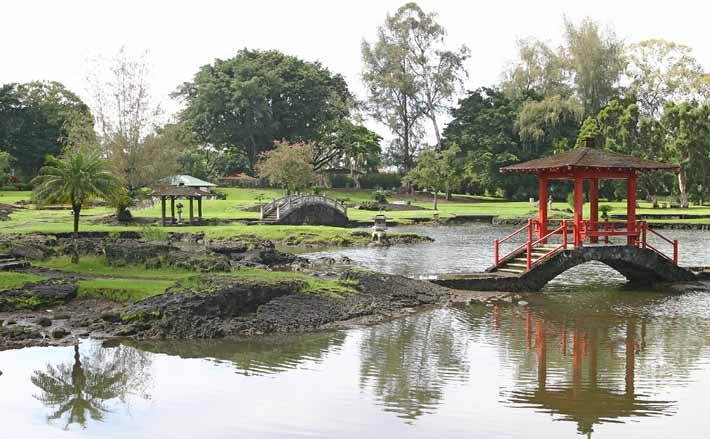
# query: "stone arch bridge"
[305,209]
[638,265]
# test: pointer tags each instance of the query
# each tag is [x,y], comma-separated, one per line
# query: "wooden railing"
[282,206]
[637,232]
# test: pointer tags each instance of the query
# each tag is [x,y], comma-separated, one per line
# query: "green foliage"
[36,120]
[219,194]
[77,177]
[380,196]
[570,200]
[150,232]
[437,171]
[377,180]
[10,280]
[249,101]
[373,205]
[289,166]
[5,160]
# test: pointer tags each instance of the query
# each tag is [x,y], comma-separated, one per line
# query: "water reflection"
[258,356]
[407,363]
[79,391]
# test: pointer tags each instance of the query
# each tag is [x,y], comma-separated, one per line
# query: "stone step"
[524,266]
[511,270]
[14,265]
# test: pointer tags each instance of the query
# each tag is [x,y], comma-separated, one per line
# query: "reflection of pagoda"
[586,402]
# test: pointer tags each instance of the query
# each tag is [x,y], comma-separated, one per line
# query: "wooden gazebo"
[173,193]
[586,164]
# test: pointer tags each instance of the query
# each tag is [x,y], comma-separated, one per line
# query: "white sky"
[51,40]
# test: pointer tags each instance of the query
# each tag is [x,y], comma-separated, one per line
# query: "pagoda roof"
[185,180]
[179,191]
[590,159]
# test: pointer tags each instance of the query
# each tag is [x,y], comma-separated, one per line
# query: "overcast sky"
[51,40]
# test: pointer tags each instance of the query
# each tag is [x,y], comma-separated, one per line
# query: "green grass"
[122,290]
[97,266]
[13,280]
[54,221]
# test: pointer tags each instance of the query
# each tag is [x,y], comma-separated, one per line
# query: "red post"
[529,244]
[644,231]
[631,208]
[495,252]
[564,234]
[594,206]
[675,251]
[542,206]
[578,208]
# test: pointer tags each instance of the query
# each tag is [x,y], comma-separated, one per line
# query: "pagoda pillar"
[631,208]
[578,209]
[542,206]
[594,207]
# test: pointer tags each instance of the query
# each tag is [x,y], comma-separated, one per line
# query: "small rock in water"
[43,321]
[517,297]
[59,333]
[523,303]
[10,322]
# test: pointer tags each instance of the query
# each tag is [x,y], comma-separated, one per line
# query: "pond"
[592,358]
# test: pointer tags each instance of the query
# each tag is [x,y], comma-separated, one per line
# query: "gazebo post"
[172,209]
[578,208]
[594,206]
[191,214]
[542,206]
[199,209]
[162,207]
[631,208]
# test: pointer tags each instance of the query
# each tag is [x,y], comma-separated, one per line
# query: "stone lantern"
[379,229]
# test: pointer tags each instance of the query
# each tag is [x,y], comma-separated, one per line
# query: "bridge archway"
[306,209]
[638,265]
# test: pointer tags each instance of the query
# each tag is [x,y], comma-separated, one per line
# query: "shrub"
[372,205]
[380,196]
[124,216]
[570,200]
[154,233]
[377,180]
[340,181]
[219,194]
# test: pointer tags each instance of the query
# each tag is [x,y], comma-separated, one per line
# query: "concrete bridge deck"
[638,265]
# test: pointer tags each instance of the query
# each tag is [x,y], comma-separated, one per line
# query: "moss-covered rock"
[37,295]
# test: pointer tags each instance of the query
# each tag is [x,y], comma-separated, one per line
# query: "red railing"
[498,242]
[645,244]
[587,229]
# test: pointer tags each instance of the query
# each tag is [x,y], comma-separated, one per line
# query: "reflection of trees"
[268,354]
[79,391]
[407,361]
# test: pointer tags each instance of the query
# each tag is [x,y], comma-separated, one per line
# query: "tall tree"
[483,126]
[437,171]
[257,97]
[549,124]
[126,114]
[538,72]
[76,177]
[37,119]
[596,61]
[687,128]
[663,71]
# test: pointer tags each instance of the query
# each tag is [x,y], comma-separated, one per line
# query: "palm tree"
[76,177]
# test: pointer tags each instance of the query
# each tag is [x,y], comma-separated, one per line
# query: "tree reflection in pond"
[407,362]
[79,391]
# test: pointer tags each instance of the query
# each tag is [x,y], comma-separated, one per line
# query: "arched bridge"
[306,209]
[638,265]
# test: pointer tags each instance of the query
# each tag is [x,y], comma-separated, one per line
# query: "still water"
[592,358]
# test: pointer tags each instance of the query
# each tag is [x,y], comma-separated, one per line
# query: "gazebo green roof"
[185,180]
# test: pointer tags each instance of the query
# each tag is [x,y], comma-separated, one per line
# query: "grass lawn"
[122,290]
[10,280]
[97,266]
[238,199]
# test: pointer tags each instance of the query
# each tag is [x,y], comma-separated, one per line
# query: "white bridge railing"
[283,206]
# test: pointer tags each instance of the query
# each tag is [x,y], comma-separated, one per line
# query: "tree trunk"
[432,116]
[75,236]
[436,200]
[683,188]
